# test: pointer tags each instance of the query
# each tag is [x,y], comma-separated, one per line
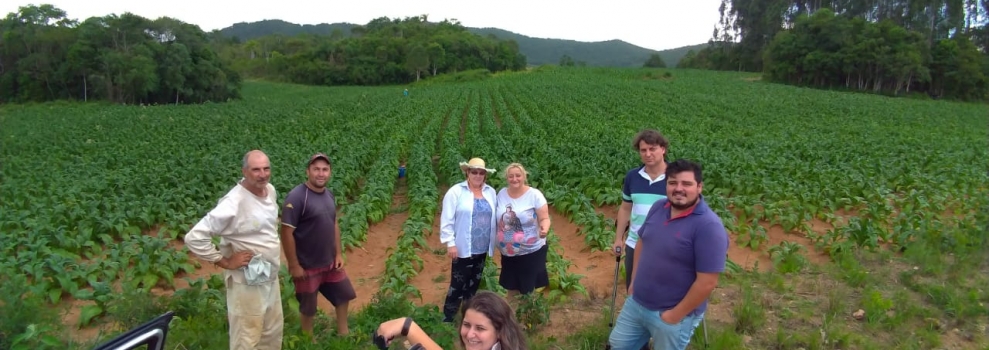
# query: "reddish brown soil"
[434,278]
[365,266]
[598,267]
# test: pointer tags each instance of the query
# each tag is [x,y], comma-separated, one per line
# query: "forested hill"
[46,55]
[538,51]
[383,51]
[896,47]
[252,30]
[611,53]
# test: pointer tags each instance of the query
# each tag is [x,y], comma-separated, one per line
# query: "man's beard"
[685,206]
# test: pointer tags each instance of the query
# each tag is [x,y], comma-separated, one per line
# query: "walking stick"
[614,292]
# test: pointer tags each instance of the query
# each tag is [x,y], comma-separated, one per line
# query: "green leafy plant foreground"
[93,195]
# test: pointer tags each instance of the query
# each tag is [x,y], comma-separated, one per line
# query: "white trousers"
[255,315]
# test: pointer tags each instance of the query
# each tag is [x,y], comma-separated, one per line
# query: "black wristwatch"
[405,327]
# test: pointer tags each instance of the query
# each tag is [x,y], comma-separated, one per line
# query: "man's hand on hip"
[236,261]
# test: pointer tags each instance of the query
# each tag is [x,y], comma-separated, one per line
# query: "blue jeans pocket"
[659,315]
[674,336]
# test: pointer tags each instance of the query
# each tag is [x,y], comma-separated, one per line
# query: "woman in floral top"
[523,223]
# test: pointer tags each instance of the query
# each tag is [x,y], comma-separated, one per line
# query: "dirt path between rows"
[434,279]
[598,268]
[365,266]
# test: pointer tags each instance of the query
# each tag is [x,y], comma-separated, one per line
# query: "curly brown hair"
[496,309]
[651,137]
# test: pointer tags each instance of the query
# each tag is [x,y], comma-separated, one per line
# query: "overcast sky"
[656,24]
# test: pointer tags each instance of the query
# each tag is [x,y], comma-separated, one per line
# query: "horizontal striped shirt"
[642,192]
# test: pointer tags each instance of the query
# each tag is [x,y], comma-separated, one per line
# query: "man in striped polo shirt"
[643,186]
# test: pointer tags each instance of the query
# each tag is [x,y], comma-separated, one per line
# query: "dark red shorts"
[333,284]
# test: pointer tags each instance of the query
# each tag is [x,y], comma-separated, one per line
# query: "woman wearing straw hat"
[467,226]
[523,223]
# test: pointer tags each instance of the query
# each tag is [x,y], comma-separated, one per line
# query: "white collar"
[645,175]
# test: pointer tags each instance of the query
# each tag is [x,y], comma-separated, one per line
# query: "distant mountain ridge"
[538,51]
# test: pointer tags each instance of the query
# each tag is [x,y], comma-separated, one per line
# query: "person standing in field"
[643,186]
[682,250]
[522,228]
[467,226]
[311,237]
[245,219]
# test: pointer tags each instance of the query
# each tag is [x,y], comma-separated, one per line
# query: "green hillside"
[253,30]
[539,51]
[673,56]
[611,53]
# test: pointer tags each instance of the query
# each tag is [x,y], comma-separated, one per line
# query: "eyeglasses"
[478,172]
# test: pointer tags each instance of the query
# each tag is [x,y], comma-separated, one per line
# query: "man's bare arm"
[635,265]
[699,291]
[288,244]
[624,213]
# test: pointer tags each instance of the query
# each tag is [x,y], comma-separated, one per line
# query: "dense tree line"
[384,51]
[124,59]
[537,51]
[938,47]
[855,54]
[654,61]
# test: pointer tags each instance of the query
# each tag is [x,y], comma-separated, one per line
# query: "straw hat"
[474,163]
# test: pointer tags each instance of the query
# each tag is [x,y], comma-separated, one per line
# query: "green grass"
[903,182]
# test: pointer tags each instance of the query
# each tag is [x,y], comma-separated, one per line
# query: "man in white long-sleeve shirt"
[246,219]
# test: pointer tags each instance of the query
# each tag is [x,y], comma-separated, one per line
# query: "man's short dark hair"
[651,137]
[681,165]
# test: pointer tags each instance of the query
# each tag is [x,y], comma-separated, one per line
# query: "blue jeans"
[636,324]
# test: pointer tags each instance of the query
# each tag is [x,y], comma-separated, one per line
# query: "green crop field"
[892,193]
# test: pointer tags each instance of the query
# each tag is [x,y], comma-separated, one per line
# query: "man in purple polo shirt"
[682,250]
